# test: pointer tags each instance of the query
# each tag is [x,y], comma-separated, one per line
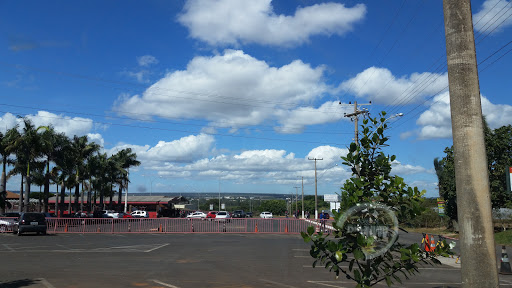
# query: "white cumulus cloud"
[184,150]
[494,16]
[221,22]
[436,121]
[382,87]
[62,124]
[230,90]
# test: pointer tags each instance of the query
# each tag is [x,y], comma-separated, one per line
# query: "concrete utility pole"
[355,117]
[316,190]
[302,197]
[471,176]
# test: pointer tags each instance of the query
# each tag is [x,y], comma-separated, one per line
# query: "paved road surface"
[179,261]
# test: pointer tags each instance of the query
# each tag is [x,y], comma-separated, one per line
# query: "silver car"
[266,215]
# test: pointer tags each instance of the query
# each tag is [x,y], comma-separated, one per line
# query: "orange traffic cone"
[286,228]
[99,230]
[66,228]
[256,229]
[505,264]
[160,228]
[432,245]
[427,244]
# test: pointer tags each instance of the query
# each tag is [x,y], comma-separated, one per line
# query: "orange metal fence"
[175,225]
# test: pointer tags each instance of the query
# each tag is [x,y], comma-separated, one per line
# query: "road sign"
[331,198]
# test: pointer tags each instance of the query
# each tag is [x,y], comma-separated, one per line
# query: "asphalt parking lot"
[179,261]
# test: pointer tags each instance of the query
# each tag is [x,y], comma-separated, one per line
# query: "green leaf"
[311,230]
[388,281]
[358,254]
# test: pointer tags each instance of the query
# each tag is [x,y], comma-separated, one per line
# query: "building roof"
[11,195]
[138,199]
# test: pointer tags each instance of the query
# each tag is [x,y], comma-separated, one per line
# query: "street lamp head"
[400,114]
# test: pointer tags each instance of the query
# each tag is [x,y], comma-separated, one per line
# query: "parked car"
[124,215]
[12,214]
[211,214]
[30,222]
[248,214]
[198,214]
[239,214]
[266,215]
[223,215]
[6,225]
[140,214]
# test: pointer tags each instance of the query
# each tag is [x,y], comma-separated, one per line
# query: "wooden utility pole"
[471,176]
[355,116]
[316,190]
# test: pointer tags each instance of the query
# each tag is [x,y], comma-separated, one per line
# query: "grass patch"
[500,238]
[434,231]
[503,238]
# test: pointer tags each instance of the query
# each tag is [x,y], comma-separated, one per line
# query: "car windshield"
[30,217]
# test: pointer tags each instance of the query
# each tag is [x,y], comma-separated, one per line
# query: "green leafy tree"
[498,144]
[371,182]
[277,207]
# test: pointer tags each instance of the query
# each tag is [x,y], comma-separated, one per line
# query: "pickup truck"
[239,214]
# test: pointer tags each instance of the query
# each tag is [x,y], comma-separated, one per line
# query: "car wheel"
[3,228]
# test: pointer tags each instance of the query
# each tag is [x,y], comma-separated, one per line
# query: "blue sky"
[235,95]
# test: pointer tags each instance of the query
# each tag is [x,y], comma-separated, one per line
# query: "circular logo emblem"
[374,223]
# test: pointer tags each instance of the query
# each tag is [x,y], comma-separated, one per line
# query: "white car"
[140,214]
[6,225]
[197,214]
[266,215]
[222,215]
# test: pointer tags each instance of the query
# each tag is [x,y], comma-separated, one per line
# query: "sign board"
[222,206]
[211,207]
[331,198]
[440,206]
[509,179]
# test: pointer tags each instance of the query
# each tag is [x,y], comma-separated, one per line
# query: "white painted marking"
[300,249]
[8,248]
[277,283]
[157,247]
[164,284]
[324,284]
[45,283]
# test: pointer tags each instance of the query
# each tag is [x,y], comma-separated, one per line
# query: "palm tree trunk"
[26,206]
[46,187]
[57,200]
[119,199]
[3,188]
[20,204]
[77,196]
[62,198]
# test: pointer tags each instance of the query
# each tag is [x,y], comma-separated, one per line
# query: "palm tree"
[82,149]
[125,159]
[28,148]
[52,144]
[5,152]
[99,167]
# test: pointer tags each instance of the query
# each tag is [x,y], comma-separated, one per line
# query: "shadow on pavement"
[19,283]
